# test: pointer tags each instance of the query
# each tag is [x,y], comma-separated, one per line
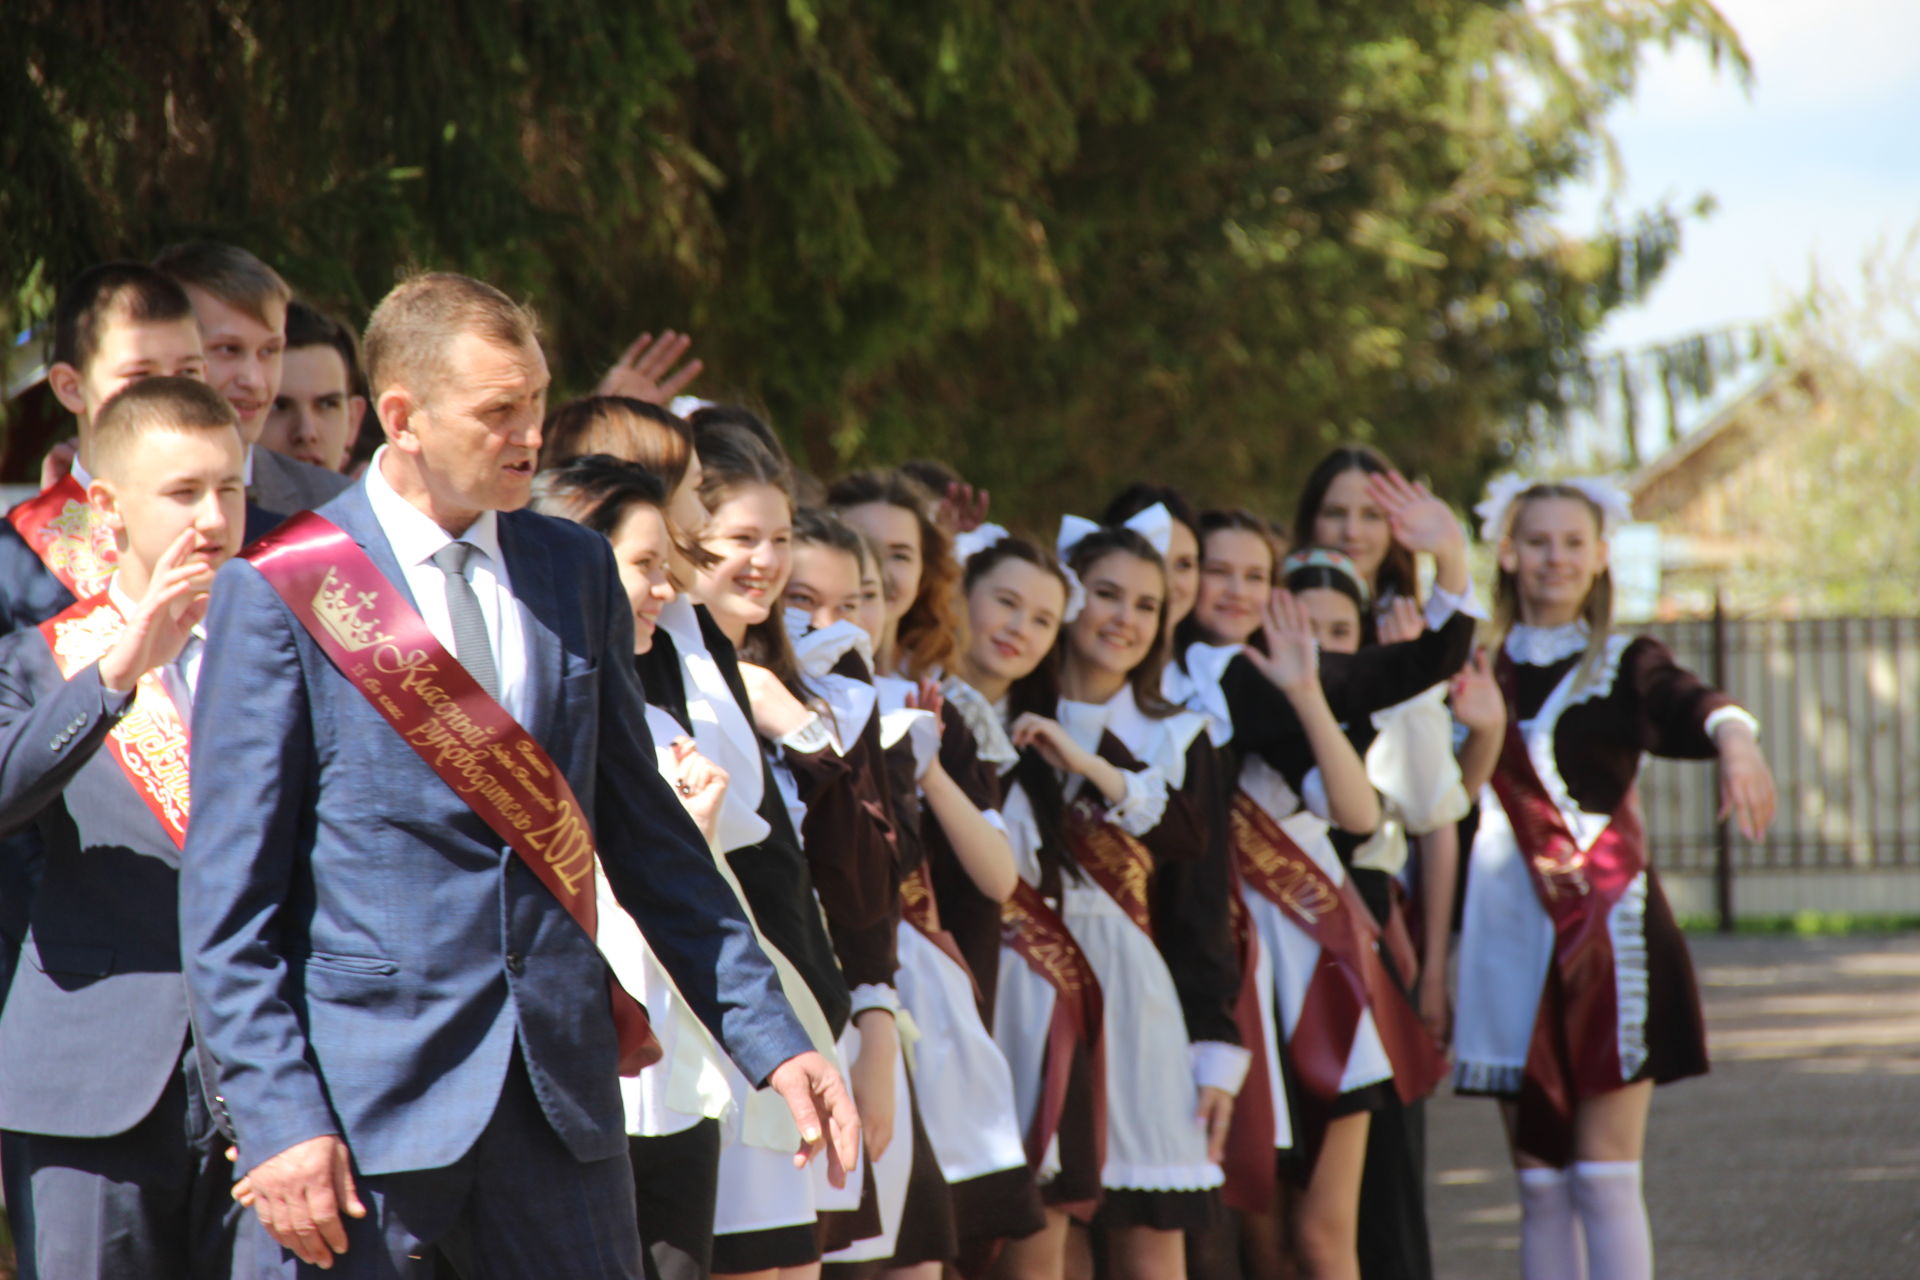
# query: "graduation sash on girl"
[1248,1159]
[58,524]
[918,908]
[1339,994]
[1034,931]
[1575,1049]
[1115,859]
[150,742]
[366,628]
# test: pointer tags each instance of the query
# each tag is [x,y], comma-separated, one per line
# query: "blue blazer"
[97,1017]
[363,953]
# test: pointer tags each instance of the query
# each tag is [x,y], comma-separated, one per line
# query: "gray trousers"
[155,1201]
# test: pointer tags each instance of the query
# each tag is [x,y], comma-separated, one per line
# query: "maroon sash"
[919,909]
[1034,931]
[1116,861]
[1575,1050]
[1356,982]
[1248,1161]
[58,524]
[380,644]
[150,742]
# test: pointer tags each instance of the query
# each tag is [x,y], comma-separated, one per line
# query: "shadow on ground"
[1798,1158]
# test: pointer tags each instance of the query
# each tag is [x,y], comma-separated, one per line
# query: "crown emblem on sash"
[337,606]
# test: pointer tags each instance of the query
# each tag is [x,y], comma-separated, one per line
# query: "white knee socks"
[1549,1227]
[1613,1214]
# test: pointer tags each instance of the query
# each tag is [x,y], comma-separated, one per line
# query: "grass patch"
[1808,924]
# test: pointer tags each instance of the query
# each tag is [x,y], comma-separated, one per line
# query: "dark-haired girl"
[1146,899]
[1047,1015]
[1576,993]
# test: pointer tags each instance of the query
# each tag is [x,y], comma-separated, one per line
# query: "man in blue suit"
[412,1036]
[115,1166]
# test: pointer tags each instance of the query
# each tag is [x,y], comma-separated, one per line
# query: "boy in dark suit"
[114,1165]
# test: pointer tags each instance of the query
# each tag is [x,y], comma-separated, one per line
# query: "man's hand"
[300,1196]
[811,1088]
[175,602]
[646,371]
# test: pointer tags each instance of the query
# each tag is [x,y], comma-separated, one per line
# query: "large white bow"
[1154,523]
[1616,507]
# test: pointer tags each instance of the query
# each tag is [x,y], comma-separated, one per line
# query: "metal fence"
[1839,705]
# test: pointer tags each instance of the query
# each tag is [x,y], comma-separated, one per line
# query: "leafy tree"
[1062,245]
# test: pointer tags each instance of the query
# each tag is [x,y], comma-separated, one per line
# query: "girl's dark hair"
[820,528]
[1039,692]
[1210,523]
[733,415]
[930,630]
[1315,576]
[596,490]
[1145,678]
[635,432]
[1396,576]
[732,457]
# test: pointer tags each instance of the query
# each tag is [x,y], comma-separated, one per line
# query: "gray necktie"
[470,643]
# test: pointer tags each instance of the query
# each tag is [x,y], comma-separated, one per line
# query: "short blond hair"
[410,331]
[229,273]
[154,404]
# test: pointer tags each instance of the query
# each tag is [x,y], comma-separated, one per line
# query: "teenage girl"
[1576,992]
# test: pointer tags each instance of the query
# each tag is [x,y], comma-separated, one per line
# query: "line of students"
[1145,821]
[1088,862]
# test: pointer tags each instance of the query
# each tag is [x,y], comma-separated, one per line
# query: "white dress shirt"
[415,538]
[181,676]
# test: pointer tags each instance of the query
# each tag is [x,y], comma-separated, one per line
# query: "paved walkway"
[1798,1158]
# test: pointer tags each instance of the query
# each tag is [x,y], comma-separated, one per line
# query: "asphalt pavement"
[1797,1158]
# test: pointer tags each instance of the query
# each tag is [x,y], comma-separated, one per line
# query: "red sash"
[1034,931]
[1356,982]
[919,909]
[150,742]
[1248,1161]
[380,644]
[58,524]
[1575,1050]
[1115,860]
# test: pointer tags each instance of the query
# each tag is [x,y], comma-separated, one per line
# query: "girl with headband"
[1576,992]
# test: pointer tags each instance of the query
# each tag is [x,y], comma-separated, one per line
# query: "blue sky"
[1818,162]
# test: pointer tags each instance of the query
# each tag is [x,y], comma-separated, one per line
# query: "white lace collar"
[1544,646]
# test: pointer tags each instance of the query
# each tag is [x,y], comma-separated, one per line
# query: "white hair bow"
[1616,507]
[1154,523]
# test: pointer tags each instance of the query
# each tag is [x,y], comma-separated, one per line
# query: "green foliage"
[1059,244]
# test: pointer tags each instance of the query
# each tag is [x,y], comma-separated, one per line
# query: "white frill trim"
[1488,1077]
[1195,684]
[989,731]
[1544,646]
[808,738]
[1627,926]
[1145,803]
[1442,604]
[1115,1176]
[1219,1065]
[875,995]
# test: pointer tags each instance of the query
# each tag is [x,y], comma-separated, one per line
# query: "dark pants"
[517,1205]
[154,1202]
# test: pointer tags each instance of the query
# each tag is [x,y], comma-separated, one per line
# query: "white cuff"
[1731,715]
[875,995]
[809,737]
[1443,604]
[1145,803]
[1218,1065]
